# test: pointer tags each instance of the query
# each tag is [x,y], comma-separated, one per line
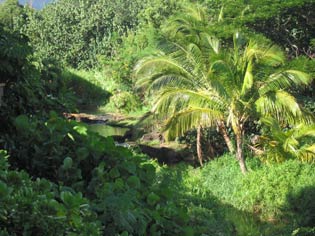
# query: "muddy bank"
[89,118]
[132,137]
[166,155]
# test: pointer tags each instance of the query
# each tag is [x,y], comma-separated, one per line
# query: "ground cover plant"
[283,194]
[39,207]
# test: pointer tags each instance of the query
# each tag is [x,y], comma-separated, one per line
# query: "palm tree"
[201,86]
[159,73]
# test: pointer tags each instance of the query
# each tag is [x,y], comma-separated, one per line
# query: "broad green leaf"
[81,129]
[22,122]
[67,163]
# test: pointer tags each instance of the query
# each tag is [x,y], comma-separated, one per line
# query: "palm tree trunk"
[226,137]
[239,152]
[198,144]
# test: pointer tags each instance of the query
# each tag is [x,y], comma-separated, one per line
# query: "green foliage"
[10,11]
[14,56]
[124,193]
[122,188]
[283,191]
[288,23]
[46,149]
[306,94]
[91,88]
[206,214]
[281,143]
[32,85]
[38,207]
[125,101]
[82,31]
[134,46]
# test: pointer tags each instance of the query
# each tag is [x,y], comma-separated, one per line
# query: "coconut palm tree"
[196,85]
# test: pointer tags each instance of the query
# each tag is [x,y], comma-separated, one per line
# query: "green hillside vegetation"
[221,92]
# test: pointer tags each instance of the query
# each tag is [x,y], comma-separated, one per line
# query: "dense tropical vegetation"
[230,82]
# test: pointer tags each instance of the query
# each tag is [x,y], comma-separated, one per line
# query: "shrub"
[122,188]
[39,207]
[125,101]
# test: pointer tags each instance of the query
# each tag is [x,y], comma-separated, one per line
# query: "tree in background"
[10,11]
[79,32]
[290,24]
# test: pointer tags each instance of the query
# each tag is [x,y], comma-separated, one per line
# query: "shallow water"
[107,130]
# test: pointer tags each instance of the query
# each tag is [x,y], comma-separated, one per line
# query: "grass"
[274,192]
[215,195]
[98,93]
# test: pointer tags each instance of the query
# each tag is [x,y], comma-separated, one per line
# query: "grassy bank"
[274,192]
[97,92]
[270,200]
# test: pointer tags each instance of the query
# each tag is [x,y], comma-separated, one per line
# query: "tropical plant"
[121,187]
[283,143]
[38,207]
[200,84]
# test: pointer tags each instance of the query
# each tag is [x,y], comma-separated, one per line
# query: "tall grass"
[275,192]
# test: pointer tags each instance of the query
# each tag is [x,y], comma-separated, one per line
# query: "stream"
[107,130]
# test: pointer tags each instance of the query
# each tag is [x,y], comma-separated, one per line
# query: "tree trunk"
[226,137]
[198,144]
[239,152]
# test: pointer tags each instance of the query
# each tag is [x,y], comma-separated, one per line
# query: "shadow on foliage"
[301,209]
[165,155]
[208,215]
[87,95]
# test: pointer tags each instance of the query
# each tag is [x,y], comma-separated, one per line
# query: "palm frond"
[145,70]
[283,143]
[172,100]
[161,81]
[305,131]
[213,42]
[281,105]
[285,80]
[266,54]
[198,13]
[190,118]
[306,153]
[248,79]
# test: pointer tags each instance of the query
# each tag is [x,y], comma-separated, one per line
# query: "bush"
[32,85]
[40,208]
[125,101]
[122,188]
